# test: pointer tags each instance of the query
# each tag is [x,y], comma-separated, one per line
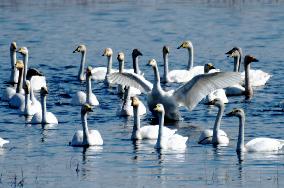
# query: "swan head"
[136,53]
[135,101]
[236,112]
[166,50]
[81,48]
[27,87]
[23,51]
[208,67]
[89,71]
[33,72]
[43,91]
[19,64]
[86,108]
[13,46]
[185,44]
[249,59]
[234,52]
[107,52]
[152,62]
[159,108]
[120,56]
[217,102]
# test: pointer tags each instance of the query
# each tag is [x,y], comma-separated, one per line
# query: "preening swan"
[126,108]
[43,117]
[218,93]
[149,131]
[215,136]
[192,71]
[257,77]
[174,141]
[3,141]
[260,144]
[80,97]
[187,95]
[13,56]
[37,81]
[86,137]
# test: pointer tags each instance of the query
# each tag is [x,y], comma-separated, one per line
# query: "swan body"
[175,141]
[215,136]
[86,137]
[81,98]
[235,90]
[187,95]
[3,141]
[126,109]
[43,117]
[261,144]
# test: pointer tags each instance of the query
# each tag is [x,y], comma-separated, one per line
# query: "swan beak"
[179,47]
[255,60]
[75,51]
[230,114]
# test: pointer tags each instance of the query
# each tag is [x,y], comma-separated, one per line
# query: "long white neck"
[217,124]
[161,125]
[190,58]
[136,127]
[86,138]
[156,75]
[43,109]
[20,81]
[32,96]
[13,76]
[109,65]
[121,66]
[27,104]
[237,63]
[241,143]
[88,88]
[248,88]
[82,66]
[166,67]
[26,61]
[135,65]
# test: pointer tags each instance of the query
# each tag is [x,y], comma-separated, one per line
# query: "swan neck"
[86,139]
[32,96]
[20,81]
[217,124]
[109,65]
[82,66]
[88,88]
[248,88]
[135,64]
[126,96]
[236,63]
[43,109]
[190,58]
[26,60]
[161,125]
[240,144]
[27,104]
[121,66]
[157,75]
[13,58]
[166,67]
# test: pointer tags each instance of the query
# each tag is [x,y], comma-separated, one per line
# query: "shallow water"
[51,30]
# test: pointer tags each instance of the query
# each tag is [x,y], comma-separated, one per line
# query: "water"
[52,30]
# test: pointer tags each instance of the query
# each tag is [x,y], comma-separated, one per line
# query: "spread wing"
[132,80]
[192,92]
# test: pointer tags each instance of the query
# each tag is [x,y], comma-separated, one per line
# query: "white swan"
[261,144]
[36,81]
[192,71]
[120,89]
[175,141]
[13,56]
[126,108]
[86,137]
[215,136]
[257,77]
[218,93]
[43,117]
[187,95]
[89,97]
[18,99]
[149,131]
[108,53]
[3,141]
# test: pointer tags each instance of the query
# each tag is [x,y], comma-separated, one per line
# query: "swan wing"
[192,92]
[131,79]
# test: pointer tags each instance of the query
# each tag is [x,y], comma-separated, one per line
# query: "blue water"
[52,30]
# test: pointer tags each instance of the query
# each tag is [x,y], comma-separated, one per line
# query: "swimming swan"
[13,56]
[3,141]
[43,117]
[81,97]
[187,95]
[86,137]
[37,81]
[215,136]
[149,131]
[175,141]
[257,77]
[192,71]
[261,144]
